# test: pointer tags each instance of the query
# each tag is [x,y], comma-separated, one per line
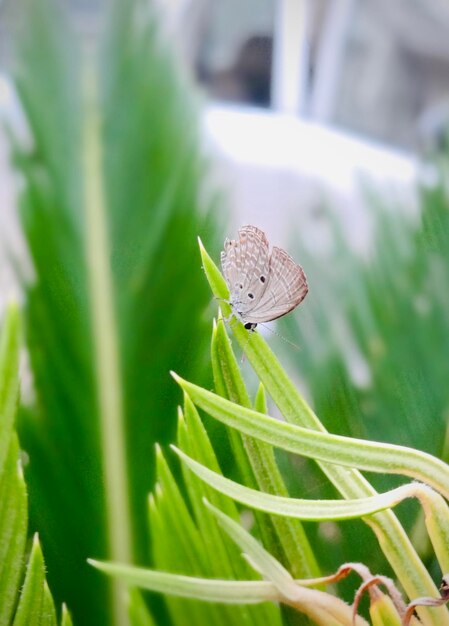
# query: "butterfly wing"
[286,288]
[246,268]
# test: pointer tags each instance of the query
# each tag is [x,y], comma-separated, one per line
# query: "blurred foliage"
[374,338]
[179,518]
[24,594]
[190,541]
[373,332]
[156,205]
[199,550]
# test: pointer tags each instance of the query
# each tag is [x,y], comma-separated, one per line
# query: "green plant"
[24,594]
[302,433]
[373,334]
[112,198]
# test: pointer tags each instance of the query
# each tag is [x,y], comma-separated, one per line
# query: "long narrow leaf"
[225,591]
[143,167]
[283,537]
[350,483]
[13,532]
[35,605]
[13,499]
[328,611]
[24,594]
[268,566]
[316,510]
[367,455]
[201,548]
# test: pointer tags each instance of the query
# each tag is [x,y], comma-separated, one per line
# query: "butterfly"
[262,286]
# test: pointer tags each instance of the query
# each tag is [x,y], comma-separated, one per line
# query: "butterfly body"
[262,286]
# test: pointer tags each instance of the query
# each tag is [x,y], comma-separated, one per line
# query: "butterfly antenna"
[294,345]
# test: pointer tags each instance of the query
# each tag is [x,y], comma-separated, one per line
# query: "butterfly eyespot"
[248,261]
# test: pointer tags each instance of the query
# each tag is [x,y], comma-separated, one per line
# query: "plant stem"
[105,339]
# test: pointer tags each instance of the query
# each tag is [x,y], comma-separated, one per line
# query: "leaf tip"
[205,258]
[175,376]
[206,503]
[180,454]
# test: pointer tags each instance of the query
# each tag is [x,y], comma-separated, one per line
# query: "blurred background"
[323,122]
[302,98]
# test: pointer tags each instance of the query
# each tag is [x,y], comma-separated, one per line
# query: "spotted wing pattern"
[245,265]
[286,289]
[262,288]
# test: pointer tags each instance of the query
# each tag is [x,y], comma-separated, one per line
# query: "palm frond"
[25,597]
[374,333]
[150,174]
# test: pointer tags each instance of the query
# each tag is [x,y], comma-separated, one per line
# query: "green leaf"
[201,549]
[267,367]
[259,558]
[192,437]
[28,601]
[383,612]
[66,620]
[325,609]
[321,510]
[112,201]
[13,503]
[367,455]
[374,333]
[13,530]
[283,537]
[9,381]
[206,590]
[170,520]
[138,611]
[33,604]
[395,543]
